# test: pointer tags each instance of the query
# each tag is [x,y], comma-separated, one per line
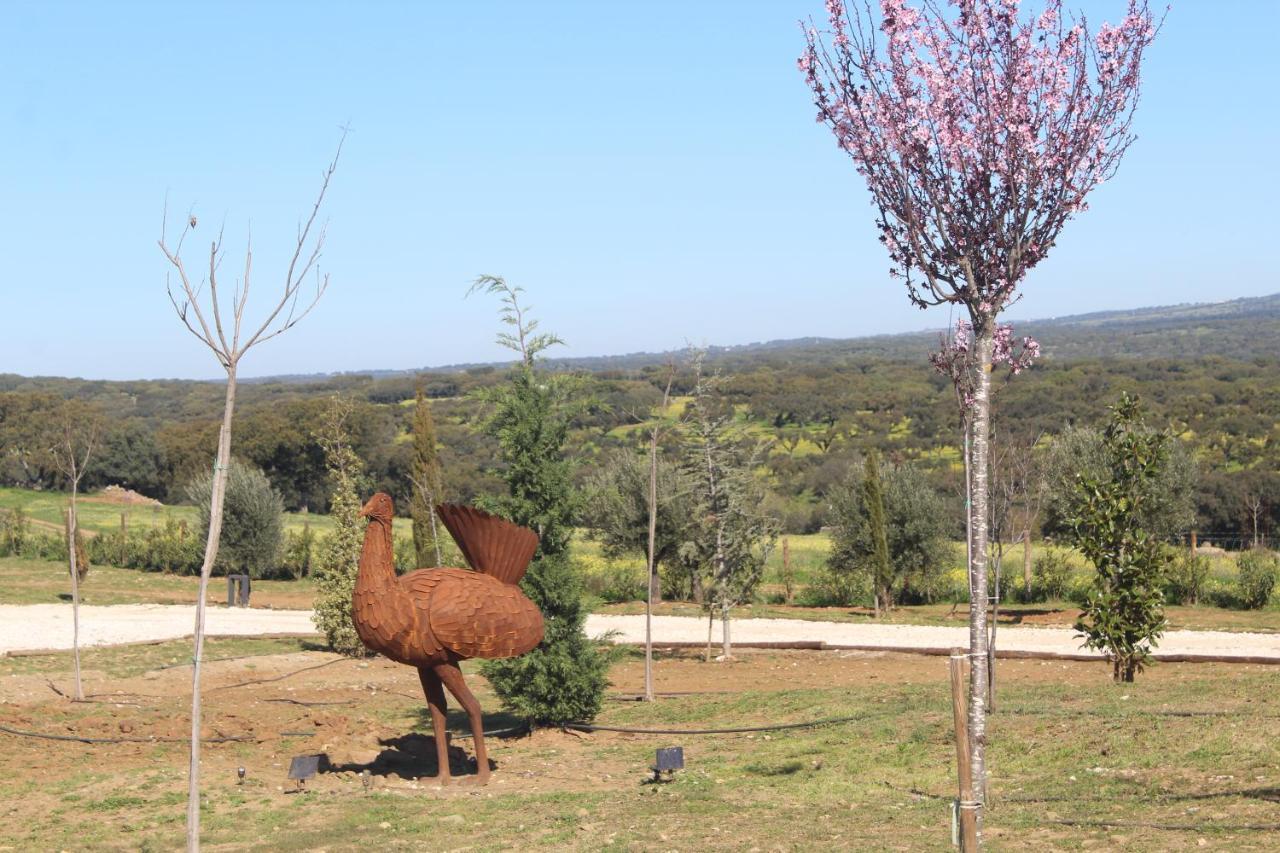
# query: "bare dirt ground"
[1071,747]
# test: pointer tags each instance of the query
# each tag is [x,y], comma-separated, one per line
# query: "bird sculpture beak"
[365,510]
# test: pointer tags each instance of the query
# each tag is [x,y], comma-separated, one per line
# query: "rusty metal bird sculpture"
[433,618]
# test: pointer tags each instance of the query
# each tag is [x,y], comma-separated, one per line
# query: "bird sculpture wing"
[475,615]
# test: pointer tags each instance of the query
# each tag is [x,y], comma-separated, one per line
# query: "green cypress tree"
[881,567]
[339,557]
[564,678]
[427,491]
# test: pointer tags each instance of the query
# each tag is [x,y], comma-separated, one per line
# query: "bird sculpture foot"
[481,778]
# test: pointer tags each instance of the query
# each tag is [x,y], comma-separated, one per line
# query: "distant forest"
[1209,372]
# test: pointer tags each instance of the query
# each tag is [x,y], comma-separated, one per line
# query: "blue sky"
[649,172]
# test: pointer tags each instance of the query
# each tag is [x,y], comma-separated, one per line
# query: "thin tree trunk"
[1026,563]
[978,678]
[75,588]
[435,532]
[711,621]
[216,496]
[724,621]
[653,565]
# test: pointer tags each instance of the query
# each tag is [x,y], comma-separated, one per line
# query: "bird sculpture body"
[433,618]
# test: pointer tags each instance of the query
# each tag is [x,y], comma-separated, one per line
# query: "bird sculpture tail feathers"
[491,545]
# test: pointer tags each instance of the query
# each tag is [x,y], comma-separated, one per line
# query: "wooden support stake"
[960,713]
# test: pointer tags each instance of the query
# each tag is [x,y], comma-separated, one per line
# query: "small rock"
[583,813]
[383,825]
[455,819]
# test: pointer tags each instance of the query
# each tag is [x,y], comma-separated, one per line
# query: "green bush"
[837,589]
[14,531]
[170,547]
[1184,578]
[43,546]
[299,554]
[251,521]
[1258,571]
[564,677]
[1051,576]
[618,584]
[405,554]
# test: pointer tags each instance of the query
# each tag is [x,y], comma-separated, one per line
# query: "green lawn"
[97,515]
[46,582]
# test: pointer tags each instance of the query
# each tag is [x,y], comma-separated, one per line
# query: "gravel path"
[48,626]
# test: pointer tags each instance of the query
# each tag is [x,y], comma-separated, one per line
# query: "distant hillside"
[1242,329]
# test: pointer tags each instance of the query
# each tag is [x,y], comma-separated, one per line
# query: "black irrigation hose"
[830,721]
[81,739]
[278,677]
[1152,712]
[1172,827]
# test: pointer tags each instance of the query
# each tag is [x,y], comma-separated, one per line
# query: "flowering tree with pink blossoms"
[980,131]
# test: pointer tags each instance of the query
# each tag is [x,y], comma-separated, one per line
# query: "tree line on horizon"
[820,420]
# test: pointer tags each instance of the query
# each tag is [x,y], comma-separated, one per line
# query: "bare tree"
[653,534]
[229,339]
[78,430]
[1253,504]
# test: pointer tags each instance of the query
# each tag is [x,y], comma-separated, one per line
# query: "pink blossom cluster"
[957,360]
[979,130]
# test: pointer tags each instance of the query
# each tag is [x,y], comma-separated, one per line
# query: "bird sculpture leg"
[452,678]
[438,705]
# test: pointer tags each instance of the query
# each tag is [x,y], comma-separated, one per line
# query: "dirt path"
[48,626]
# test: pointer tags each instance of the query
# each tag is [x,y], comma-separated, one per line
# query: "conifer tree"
[427,491]
[339,556]
[563,679]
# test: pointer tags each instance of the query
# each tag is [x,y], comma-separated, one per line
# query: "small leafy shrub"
[299,552]
[836,590]
[171,547]
[43,546]
[1051,576]
[14,531]
[1258,571]
[617,584]
[251,520]
[1184,578]
[1220,592]
[405,554]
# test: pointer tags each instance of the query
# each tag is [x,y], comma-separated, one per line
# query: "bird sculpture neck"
[377,562]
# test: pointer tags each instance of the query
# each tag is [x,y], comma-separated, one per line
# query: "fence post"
[960,714]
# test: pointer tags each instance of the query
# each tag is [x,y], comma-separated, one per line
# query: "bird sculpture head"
[379,508]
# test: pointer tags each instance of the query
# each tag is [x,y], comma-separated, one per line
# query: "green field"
[98,515]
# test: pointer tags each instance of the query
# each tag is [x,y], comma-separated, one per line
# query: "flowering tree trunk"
[979,678]
[979,132]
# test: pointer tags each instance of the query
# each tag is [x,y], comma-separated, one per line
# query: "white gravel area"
[1056,640]
[48,626]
